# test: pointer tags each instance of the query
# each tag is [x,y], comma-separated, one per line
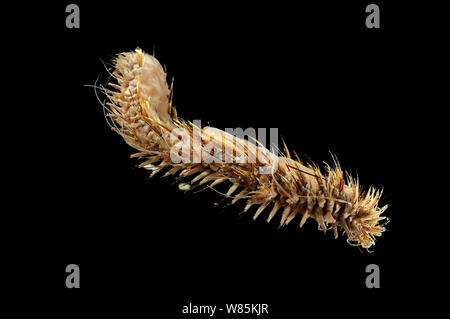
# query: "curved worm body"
[140,106]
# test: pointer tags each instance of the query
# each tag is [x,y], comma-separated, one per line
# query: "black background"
[312,71]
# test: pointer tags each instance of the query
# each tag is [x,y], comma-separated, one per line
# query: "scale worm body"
[142,113]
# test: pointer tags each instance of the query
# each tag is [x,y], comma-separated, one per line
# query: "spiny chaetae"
[140,106]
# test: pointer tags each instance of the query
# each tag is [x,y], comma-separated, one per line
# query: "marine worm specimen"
[140,106]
